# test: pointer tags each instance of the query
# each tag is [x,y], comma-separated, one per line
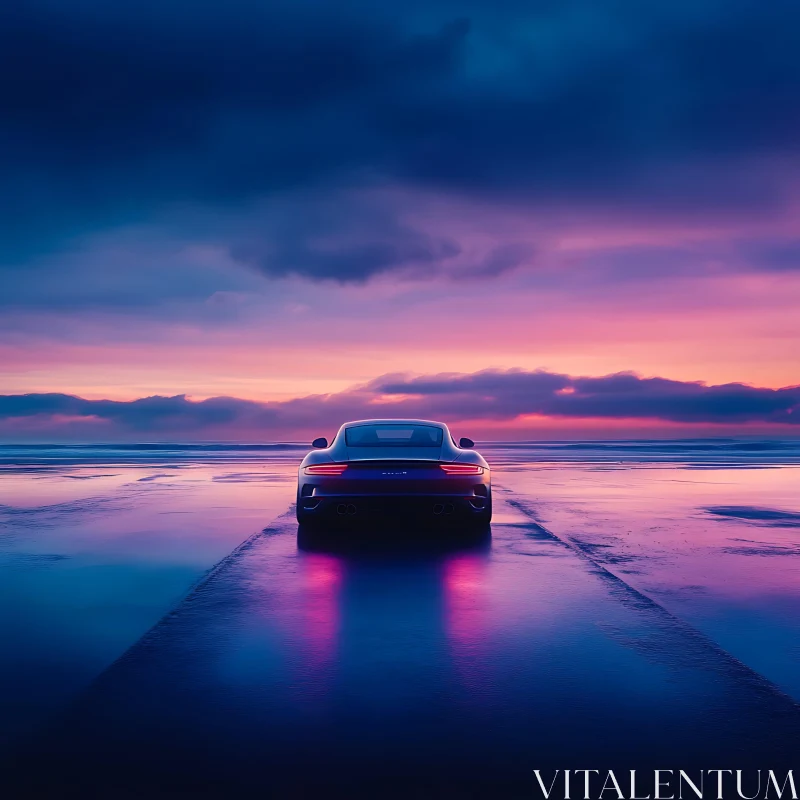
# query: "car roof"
[354,423]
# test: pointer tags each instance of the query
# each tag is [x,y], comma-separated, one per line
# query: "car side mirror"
[320,443]
[465,443]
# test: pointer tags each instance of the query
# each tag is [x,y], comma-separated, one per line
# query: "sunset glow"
[543,217]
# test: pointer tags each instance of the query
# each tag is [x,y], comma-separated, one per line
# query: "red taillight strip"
[462,469]
[326,469]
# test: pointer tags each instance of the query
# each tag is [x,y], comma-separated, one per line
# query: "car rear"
[393,469]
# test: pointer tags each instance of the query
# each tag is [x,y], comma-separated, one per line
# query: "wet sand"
[622,615]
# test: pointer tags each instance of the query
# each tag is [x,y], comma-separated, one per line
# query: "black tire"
[485,516]
[303,517]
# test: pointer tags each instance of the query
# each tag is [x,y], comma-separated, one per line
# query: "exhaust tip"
[341,508]
[351,509]
[438,508]
[449,508]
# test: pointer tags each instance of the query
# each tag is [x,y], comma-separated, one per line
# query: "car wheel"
[485,516]
[303,517]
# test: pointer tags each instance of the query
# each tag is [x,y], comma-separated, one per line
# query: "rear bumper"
[429,506]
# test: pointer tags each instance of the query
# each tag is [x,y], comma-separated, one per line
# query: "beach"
[161,598]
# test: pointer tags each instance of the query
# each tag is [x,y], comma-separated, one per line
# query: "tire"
[303,517]
[486,516]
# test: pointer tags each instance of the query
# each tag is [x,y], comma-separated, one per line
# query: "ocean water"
[749,453]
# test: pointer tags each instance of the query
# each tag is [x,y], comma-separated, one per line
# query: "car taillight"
[461,469]
[326,469]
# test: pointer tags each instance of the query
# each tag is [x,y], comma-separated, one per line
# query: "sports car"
[393,466]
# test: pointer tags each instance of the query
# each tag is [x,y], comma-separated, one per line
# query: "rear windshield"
[393,436]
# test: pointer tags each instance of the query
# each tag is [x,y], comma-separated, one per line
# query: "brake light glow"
[461,469]
[326,469]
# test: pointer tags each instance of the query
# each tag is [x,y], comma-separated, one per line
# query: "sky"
[256,220]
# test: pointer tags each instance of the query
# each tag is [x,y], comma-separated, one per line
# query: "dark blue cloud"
[348,240]
[774,255]
[113,112]
[146,415]
[488,395]
[507,394]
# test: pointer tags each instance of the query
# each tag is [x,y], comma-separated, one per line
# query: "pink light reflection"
[320,615]
[466,616]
